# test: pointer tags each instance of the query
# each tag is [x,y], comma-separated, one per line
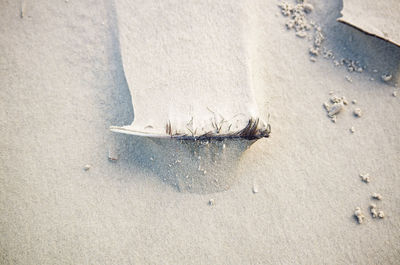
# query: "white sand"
[379,18]
[62,87]
[186,65]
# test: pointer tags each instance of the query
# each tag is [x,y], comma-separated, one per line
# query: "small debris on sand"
[386,77]
[297,20]
[352,130]
[335,99]
[336,63]
[373,210]
[352,66]
[255,188]
[308,8]
[377,196]
[381,214]
[348,78]
[327,53]
[359,215]
[318,37]
[314,51]
[22,12]
[301,34]
[336,107]
[151,158]
[357,112]
[87,167]
[394,94]
[365,177]
[112,155]
[286,8]
[354,101]
[211,202]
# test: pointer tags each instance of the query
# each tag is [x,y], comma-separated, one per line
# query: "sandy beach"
[287,199]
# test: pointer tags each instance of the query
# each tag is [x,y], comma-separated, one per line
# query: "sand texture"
[186,67]
[378,18]
[72,192]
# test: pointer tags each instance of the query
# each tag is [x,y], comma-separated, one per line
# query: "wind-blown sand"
[186,66]
[377,18]
[63,85]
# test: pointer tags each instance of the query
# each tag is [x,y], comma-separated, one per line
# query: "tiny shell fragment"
[255,189]
[308,8]
[112,155]
[335,99]
[211,202]
[365,177]
[381,214]
[314,51]
[301,34]
[335,109]
[87,167]
[386,77]
[373,211]
[357,112]
[359,215]
[377,196]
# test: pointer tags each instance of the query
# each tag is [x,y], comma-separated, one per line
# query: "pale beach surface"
[291,198]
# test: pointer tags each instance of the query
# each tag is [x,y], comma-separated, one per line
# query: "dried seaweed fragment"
[252,131]
[168,128]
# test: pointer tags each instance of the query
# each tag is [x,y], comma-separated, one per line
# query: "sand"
[378,18]
[63,85]
[202,85]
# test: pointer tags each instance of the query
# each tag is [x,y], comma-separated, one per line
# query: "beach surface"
[291,197]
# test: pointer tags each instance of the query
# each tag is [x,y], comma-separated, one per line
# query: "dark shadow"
[188,165]
[121,110]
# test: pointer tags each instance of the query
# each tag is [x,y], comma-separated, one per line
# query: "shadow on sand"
[348,42]
[204,166]
[198,166]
